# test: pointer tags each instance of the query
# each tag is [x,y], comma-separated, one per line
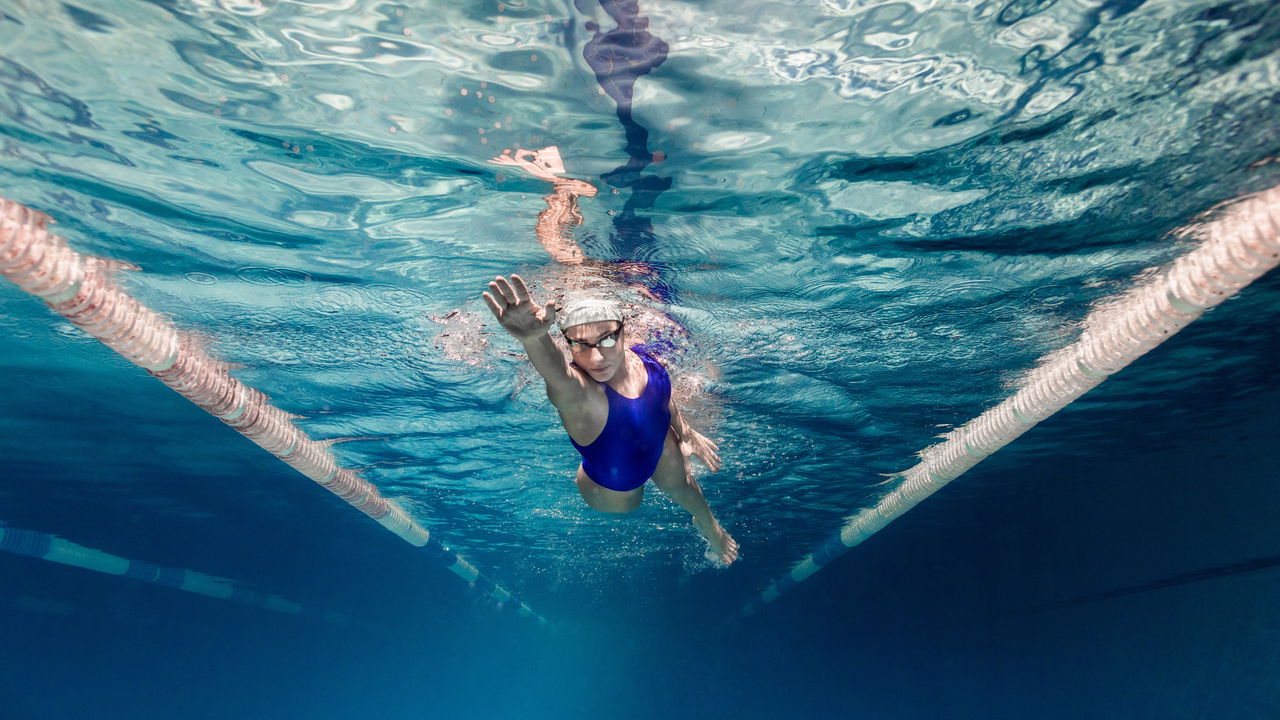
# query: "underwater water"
[860,224]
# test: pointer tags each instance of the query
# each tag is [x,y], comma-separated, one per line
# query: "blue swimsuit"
[626,453]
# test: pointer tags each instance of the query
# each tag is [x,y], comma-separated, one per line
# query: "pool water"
[851,227]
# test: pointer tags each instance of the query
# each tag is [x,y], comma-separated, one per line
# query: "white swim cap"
[587,309]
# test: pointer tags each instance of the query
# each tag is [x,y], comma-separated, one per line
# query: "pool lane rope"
[1239,246]
[36,544]
[81,289]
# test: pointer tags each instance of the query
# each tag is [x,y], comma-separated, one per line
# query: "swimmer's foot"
[722,544]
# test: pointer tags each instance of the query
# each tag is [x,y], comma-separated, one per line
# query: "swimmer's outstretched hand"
[516,311]
[545,163]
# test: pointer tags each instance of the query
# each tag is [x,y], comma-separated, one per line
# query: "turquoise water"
[868,220]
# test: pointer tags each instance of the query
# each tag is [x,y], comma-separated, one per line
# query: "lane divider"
[36,544]
[1241,245]
[81,289]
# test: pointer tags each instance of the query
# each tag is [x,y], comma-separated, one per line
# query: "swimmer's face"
[598,348]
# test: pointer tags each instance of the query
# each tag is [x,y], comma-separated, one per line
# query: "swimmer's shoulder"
[645,351]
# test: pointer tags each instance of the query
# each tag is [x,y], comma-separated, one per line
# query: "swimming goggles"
[607,341]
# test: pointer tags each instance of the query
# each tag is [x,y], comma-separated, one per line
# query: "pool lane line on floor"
[80,288]
[43,546]
[1240,245]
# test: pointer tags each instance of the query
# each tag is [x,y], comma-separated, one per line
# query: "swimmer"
[615,403]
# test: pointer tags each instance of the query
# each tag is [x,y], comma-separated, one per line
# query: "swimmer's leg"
[673,478]
[605,500]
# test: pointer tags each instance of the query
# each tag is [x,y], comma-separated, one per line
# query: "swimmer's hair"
[583,309]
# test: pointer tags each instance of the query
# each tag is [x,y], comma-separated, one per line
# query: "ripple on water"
[200,278]
[272,276]
[893,313]
[332,299]
[1050,296]
[395,296]
[261,317]
[975,294]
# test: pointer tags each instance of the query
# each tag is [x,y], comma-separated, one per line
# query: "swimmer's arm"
[563,384]
[678,424]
